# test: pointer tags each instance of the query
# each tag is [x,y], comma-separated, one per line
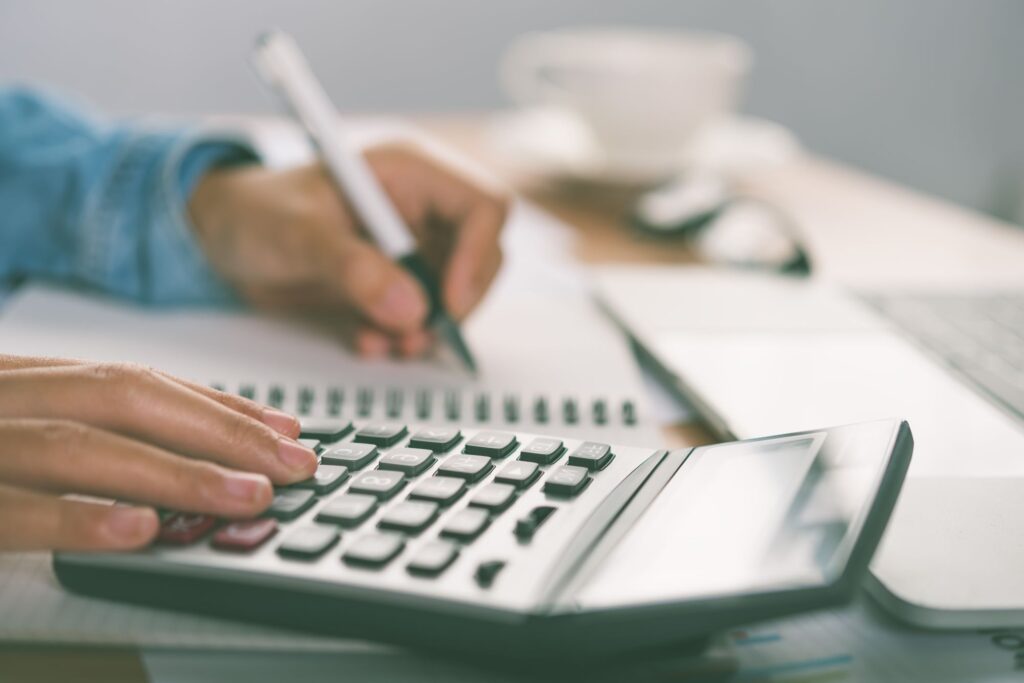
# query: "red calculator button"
[247,535]
[183,528]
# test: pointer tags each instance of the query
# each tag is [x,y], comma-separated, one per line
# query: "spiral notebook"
[549,360]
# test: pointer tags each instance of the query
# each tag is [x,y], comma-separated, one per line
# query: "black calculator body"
[526,549]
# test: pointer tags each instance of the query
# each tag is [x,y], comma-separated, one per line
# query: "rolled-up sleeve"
[104,205]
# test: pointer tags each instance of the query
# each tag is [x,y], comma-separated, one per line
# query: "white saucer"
[553,142]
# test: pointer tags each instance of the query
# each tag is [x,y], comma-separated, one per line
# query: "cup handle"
[522,67]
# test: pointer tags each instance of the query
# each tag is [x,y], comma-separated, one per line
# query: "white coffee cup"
[644,93]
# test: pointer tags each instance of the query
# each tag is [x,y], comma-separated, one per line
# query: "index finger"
[475,257]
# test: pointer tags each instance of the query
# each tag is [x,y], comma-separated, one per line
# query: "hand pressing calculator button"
[380,483]
[566,481]
[518,473]
[409,516]
[492,444]
[543,451]
[290,503]
[309,542]
[468,467]
[433,558]
[466,524]
[437,439]
[442,490]
[381,435]
[324,429]
[494,497]
[411,461]
[593,456]
[182,528]
[348,510]
[245,535]
[374,550]
[478,563]
[326,479]
[354,456]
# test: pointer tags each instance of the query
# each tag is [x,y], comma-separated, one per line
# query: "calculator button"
[410,516]
[518,473]
[354,456]
[381,435]
[290,503]
[325,429]
[543,451]
[374,550]
[466,524]
[326,479]
[494,497]
[381,483]
[491,444]
[443,490]
[348,509]
[311,444]
[593,456]
[245,535]
[433,558]
[183,528]
[309,542]
[411,461]
[567,480]
[437,439]
[527,526]
[487,572]
[468,467]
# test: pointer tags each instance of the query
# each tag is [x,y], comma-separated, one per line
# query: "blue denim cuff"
[178,270]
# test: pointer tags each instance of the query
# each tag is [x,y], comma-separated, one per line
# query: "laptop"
[760,354]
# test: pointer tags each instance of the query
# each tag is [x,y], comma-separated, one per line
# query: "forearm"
[102,205]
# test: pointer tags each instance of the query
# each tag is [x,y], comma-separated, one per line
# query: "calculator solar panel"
[477,541]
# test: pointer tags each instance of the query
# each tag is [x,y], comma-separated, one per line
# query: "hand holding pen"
[421,243]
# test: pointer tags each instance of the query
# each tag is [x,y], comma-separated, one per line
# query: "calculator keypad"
[387,501]
[410,516]
[543,451]
[433,558]
[245,535]
[519,473]
[491,444]
[380,483]
[309,542]
[567,480]
[411,461]
[494,497]
[290,503]
[374,550]
[348,510]
[468,467]
[381,435]
[442,490]
[354,456]
[436,439]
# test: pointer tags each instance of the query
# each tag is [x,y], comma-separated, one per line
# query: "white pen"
[282,66]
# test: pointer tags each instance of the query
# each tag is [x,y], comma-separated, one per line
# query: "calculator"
[513,547]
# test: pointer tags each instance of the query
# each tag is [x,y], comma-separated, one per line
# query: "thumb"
[377,287]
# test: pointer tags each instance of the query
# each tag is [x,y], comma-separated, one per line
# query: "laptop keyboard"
[979,336]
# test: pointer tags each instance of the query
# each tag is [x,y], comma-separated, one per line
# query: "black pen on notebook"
[282,66]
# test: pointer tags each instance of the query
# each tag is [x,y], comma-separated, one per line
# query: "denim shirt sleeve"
[103,205]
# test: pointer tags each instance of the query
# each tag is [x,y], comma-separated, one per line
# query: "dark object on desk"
[726,228]
[629,556]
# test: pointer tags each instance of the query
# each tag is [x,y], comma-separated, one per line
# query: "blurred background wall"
[926,92]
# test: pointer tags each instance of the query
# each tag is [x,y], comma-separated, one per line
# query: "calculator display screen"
[747,517]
